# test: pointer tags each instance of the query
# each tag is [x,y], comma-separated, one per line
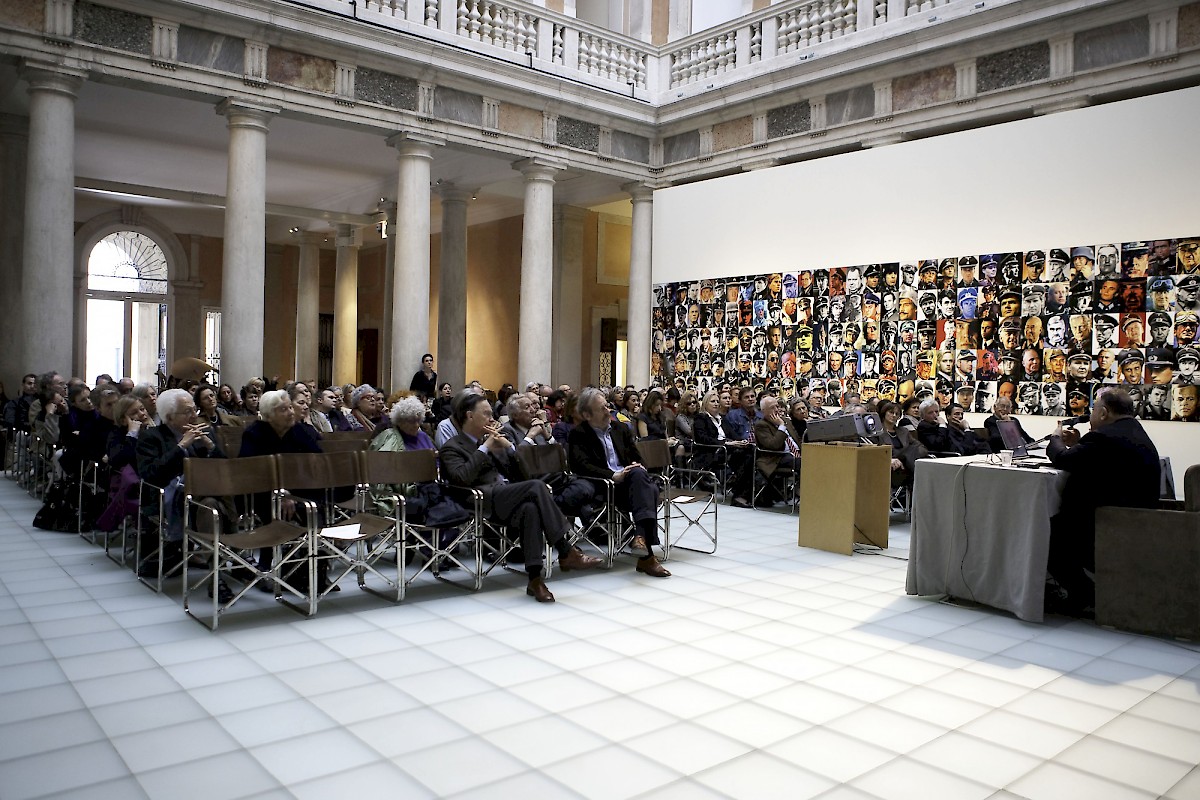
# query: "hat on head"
[1011,324]
[804,355]
[1077,391]
[1130,321]
[1135,248]
[870,297]
[1159,357]
[1080,357]
[1187,354]
[968,262]
[1084,251]
[873,271]
[789,279]
[1011,260]
[1058,256]
[1188,282]
[924,357]
[1035,288]
[926,325]
[1186,318]
[1162,284]
[967,389]
[970,292]
[1010,293]
[968,355]
[929,266]
[1035,257]
[1188,245]
[1160,318]
[1129,355]
[989,260]
[1008,357]
[1105,319]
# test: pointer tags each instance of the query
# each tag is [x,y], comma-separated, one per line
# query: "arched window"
[127,307]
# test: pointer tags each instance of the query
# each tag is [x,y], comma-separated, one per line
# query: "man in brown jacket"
[777,452]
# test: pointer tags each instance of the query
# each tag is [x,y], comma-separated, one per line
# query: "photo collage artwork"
[1046,328]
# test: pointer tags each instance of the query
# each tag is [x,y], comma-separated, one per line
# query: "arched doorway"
[126,307]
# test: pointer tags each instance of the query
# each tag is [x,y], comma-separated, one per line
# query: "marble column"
[389,289]
[637,370]
[410,298]
[568,296]
[345,306]
[47,297]
[452,295]
[243,268]
[308,305]
[14,143]
[536,327]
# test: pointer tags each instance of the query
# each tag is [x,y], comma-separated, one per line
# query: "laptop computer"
[1010,434]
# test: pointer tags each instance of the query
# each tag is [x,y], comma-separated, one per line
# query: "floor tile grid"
[683,632]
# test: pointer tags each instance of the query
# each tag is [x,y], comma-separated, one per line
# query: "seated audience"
[716,448]
[905,447]
[442,406]
[600,449]
[776,450]
[479,456]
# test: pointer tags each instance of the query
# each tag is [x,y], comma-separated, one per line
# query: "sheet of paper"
[341,531]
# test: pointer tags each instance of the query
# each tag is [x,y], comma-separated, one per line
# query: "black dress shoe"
[538,591]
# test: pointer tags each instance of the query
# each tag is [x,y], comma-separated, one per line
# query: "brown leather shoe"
[577,560]
[650,566]
[538,591]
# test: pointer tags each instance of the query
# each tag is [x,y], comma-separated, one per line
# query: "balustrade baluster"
[474,25]
[431,13]
[556,45]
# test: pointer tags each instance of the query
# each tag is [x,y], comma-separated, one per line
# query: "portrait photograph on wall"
[1046,328]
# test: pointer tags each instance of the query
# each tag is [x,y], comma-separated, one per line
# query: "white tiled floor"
[765,670]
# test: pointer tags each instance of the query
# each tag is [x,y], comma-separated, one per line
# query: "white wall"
[1116,172]
[1108,173]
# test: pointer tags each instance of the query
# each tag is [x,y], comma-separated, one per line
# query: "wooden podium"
[844,494]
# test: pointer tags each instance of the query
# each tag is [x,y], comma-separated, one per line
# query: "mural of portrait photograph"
[1162,257]
[1160,293]
[1187,293]
[1083,264]
[1054,401]
[1187,255]
[1033,299]
[927,274]
[1029,398]
[1056,268]
[1105,370]
[1033,265]
[1156,402]
[1135,260]
[1184,406]
[908,276]
[1106,331]
[1079,398]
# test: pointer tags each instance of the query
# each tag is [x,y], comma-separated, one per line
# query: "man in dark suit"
[1115,464]
[599,449]
[481,457]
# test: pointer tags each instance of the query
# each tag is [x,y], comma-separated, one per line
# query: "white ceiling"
[160,148]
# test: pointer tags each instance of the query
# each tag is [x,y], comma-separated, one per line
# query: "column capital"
[639,192]
[46,76]
[453,193]
[240,112]
[348,235]
[413,143]
[538,169]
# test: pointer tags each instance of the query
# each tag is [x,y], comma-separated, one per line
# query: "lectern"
[844,491]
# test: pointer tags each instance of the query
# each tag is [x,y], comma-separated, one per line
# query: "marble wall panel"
[787,120]
[923,89]
[631,147]
[578,134]
[29,15]
[211,50]
[681,147]
[111,27]
[372,86]
[732,134]
[459,106]
[1189,26]
[521,121]
[303,71]
[1112,44]
[1012,67]
[850,105]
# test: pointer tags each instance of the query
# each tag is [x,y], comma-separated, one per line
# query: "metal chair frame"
[678,502]
[538,461]
[760,483]
[235,553]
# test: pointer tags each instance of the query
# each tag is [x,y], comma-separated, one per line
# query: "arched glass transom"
[126,261]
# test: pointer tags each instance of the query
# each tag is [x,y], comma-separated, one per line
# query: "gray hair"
[143,390]
[271,401]
[926,404]
[588,397]
[361,392]
[169,401]
[514,402]
[408,409]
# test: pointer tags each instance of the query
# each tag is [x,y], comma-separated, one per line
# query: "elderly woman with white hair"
[365,408]
[405,432]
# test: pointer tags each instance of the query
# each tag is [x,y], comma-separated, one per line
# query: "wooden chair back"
[398,467]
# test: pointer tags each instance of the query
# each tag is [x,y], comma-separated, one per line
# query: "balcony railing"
[576,49]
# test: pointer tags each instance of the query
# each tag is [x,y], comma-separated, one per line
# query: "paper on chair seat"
[341,531]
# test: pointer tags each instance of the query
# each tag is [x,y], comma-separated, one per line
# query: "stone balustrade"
[577,49]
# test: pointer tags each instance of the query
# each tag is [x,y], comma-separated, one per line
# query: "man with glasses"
[1185,328]
[1187,254]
